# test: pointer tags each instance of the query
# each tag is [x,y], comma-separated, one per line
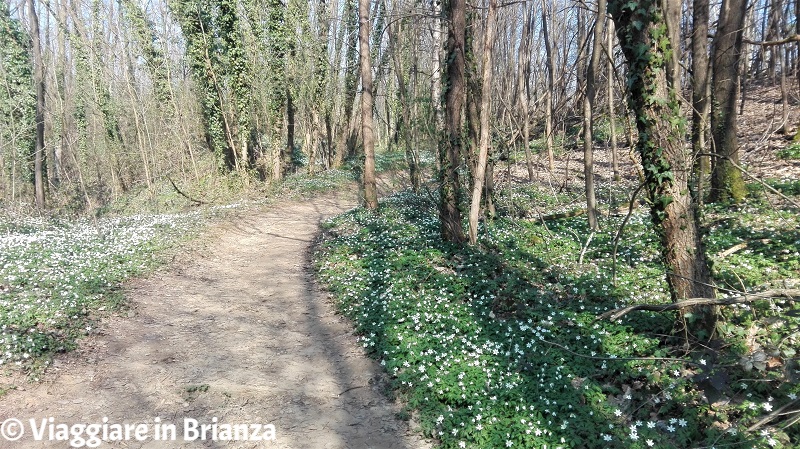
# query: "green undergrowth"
[501,345]
[304,184]
[791,152]
[216,190]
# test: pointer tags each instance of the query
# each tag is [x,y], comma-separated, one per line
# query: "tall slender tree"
[727,182]
[592,75]
[367,127]
[523,84]
[485,113]
[17,105]
[452,142]
[39,164]
[700,88]
[547,17]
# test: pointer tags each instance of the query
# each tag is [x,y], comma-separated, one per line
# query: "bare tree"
[404,96]
[592,75]
[700,87]
[367,129]
[523,85]
[727,183]
[550,88]
[38,80]
[486,111]
[450,149]
[612,113]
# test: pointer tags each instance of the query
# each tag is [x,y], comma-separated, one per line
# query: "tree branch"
[787,294]
[774,415]
[174,186]
[792,38]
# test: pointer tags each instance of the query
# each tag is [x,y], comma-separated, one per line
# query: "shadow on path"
[238,333]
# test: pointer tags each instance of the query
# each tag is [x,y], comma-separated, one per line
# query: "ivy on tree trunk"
[644,35]
[451,146]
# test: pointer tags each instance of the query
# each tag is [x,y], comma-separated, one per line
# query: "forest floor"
[760,141]
[235,329]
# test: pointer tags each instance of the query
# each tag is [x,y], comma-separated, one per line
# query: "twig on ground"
[619,232]
[774,415]
[754,178]
[787,294]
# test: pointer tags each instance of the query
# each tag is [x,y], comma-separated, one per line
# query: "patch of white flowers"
[52,274]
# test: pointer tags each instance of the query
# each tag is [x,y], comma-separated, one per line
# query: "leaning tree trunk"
[652,84]
[486,110]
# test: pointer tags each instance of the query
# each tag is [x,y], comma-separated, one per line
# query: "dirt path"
[238,332]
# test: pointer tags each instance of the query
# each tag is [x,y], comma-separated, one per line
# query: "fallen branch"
[619,359]
[731,250]
[585,247]
[578,212]
[788,294]
[193,200]
[568,214]
[774,415]
[736,248]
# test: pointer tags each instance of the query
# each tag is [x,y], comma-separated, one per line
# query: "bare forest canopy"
[100,97]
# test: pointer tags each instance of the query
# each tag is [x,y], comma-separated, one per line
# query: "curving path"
[237,331]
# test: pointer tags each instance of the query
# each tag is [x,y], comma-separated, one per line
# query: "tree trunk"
[436,64]
[592,73]
[783,57]
[370,190]
[700,88]
[652,95]
[39,174]
[612,113]
[473,93]
[405,111]
[450,149]
[286,161]
[727,183]
[580,62]
[773,33]
[548,94]
[486,111]
[523,92]
[345,141]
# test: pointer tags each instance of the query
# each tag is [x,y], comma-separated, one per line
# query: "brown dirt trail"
[238,331]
